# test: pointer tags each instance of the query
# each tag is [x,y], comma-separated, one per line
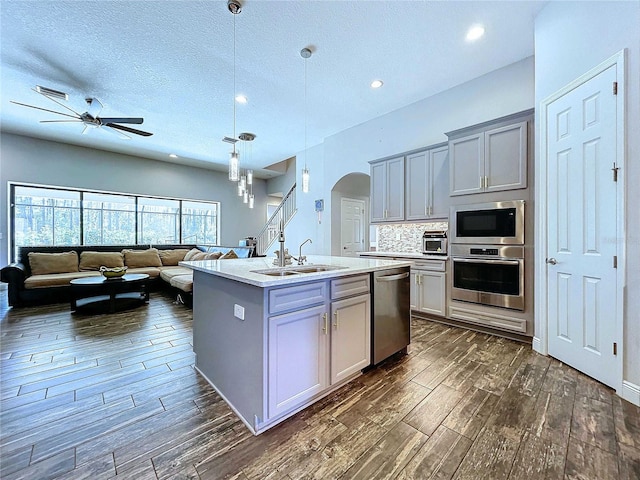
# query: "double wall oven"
[487,253]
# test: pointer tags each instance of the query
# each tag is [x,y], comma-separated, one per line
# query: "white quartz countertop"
[416,255]
[243,269]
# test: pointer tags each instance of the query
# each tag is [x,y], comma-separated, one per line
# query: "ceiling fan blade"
[121,120]
[128,129]
[95,106]
[60,121]
[44,109]
[54,100]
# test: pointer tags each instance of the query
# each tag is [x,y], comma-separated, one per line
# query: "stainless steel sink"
[276,273]
[296,270]
[315,268]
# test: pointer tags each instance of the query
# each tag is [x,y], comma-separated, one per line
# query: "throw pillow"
[213,256]
[171,257]
[198,256]
[142,258]
[228,255]
[191,253]
[44,263]
[90,261]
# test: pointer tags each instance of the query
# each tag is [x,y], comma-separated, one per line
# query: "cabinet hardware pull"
[335,314]
[481,182]
[324,328]
[486,182]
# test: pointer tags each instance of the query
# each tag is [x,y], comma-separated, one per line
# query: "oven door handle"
[487,260]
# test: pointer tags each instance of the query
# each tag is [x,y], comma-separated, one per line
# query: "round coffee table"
[103,295]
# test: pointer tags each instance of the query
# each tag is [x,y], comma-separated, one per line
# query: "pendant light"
[305,53]
[247,178]
[235,7]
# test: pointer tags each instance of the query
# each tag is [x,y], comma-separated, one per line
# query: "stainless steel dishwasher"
[391,324]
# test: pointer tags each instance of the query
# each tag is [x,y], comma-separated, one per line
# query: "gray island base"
[273,344]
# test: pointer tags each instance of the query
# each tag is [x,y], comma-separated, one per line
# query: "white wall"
[502,92]
[570,39]
[30,160]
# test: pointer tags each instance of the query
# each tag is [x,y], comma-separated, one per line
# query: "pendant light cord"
[234,82]
[305,113]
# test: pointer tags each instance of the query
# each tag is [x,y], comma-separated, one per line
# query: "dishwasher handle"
[392,278]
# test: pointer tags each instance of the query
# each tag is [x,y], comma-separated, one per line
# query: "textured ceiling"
[171,62]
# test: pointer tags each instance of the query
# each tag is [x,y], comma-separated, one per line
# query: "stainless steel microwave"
[496,223]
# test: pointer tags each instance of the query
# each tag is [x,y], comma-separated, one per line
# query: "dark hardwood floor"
[116,396]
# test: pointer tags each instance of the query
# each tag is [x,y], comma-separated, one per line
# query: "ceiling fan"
[90,118]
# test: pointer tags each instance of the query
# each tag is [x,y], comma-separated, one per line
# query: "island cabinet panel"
[298,358]
[294,297]
[350,336]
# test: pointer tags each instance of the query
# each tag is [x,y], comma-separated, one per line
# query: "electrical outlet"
[238,311]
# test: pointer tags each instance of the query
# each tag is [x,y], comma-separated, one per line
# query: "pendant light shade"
[251,200]
[234,164]
[249,177]
[305,180]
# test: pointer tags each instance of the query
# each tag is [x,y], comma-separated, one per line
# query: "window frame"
[82,191]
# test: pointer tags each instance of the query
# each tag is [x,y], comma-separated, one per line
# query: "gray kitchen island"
[273,340]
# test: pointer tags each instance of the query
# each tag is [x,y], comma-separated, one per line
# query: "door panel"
[581,226]
[352,226]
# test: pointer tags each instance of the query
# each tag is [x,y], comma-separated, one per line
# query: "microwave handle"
[486,260]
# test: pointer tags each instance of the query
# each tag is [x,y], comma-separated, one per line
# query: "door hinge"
[615,261]
[615,348]
[615,88]
[615,172]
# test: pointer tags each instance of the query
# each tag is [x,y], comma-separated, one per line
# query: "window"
[46,217]
[109,219]
[43,216]
[198,223]
[158,220]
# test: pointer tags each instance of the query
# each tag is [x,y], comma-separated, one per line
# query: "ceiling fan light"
[233,167]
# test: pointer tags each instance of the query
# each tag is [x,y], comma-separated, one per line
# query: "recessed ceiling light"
[173,155]
[475,32]
[241,99]
[376,84]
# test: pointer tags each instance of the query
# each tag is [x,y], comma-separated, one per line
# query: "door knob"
[551,261]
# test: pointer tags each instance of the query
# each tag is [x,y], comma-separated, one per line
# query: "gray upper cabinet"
[427,184]
[494,159]
[387,190]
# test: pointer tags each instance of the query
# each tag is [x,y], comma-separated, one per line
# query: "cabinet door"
[378,191]
[417,195]
[505,153]
[439,182]
[395,190]
[298,358]
[350,336]
[432,286]
[415,290]
[466,162]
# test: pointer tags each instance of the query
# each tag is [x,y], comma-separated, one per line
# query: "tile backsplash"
[404,237]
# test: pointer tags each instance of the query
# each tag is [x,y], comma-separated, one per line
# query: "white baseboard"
[537,346]
[631,392]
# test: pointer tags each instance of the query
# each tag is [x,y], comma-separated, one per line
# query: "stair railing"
[285,211]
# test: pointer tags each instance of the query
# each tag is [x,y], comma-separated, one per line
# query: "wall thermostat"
[319,205]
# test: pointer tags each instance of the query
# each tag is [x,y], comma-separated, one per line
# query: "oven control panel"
[484,251]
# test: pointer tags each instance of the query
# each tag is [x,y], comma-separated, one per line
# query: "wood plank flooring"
[116,396]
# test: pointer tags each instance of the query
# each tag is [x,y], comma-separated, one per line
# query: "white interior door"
[351,226]
[581,226]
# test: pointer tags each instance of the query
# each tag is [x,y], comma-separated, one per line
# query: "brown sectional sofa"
[42,274]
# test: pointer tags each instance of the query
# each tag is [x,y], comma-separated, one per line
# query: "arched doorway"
[350,228]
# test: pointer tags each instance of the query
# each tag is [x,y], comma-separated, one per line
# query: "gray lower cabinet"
[317,346]
[492,160]
[387,190]
[427,184]
[428,287]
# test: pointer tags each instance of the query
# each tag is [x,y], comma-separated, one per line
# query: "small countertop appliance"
[434,242]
